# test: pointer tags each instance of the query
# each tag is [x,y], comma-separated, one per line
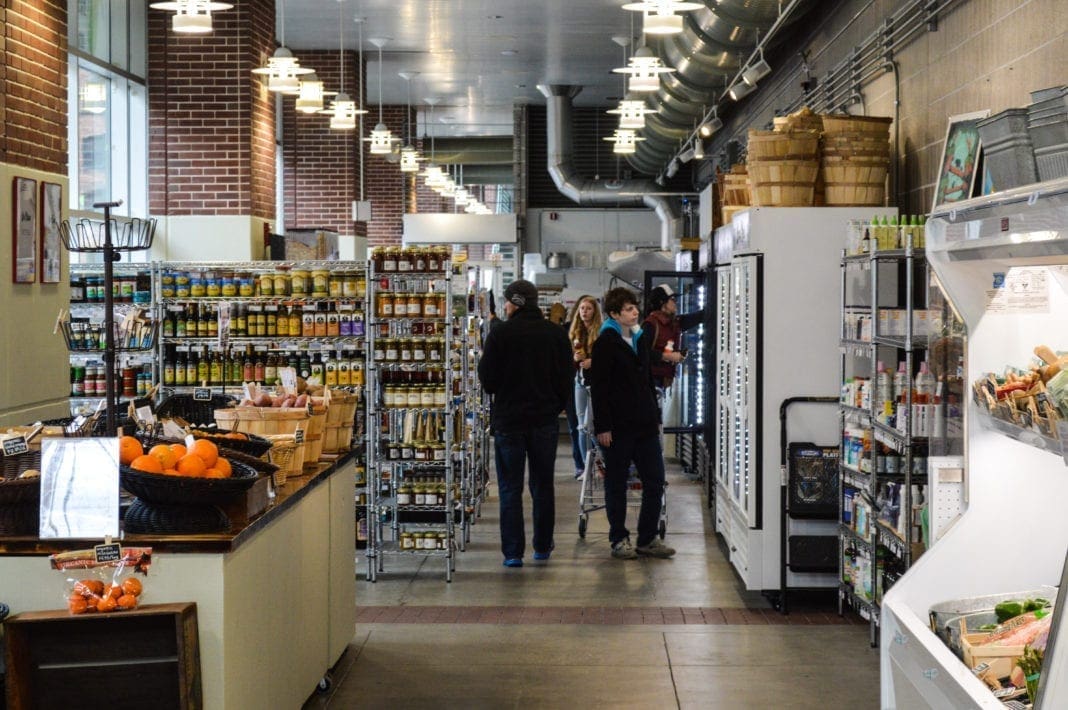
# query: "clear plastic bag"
[96,585]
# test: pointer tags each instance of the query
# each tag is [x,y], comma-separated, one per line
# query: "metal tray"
[944,613]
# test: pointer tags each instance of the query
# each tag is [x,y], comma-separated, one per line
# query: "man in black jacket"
[526,366]
[626,421]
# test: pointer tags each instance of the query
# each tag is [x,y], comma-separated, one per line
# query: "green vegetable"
[1008,610]
[988,627]
[1035,604]
[1031,664]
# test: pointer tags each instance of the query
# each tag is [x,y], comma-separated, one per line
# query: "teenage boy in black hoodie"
[526,366]
[626,421]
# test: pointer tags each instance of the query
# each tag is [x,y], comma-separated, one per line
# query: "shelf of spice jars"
[314,279]
[394,547]
[271,341]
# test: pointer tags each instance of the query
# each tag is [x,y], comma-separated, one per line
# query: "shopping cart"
[591,490]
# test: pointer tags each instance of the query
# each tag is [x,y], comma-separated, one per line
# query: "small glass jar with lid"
[281,283]
[394,452]
[407,541]
[418,349]
[404,260]
[378,255]
[392,351]
[440,398]
[389,396]
[419,259]
[319,285]
[265,284]
[415,305]
[418,541]
[418,494]
[407,451]
[426,397]
[420,452]
[400,305]
[389,260]
[404,494]
[335,283]
[404,347]
[414,398]
[384,304]
[430,305]
[438,452]
[443,541]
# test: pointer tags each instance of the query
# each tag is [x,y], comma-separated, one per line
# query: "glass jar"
[418,540]
[407,452]
[350,285]
[389,396]
[421,452]
[244,283]
[418,349]
[415,305]
[430,305]
[443,541]
[265,284]
[380,351]
[400,305]
[440,399]
[197,288]
[378,255]
[438,454]
[300,282]
[394,452]
[392,350]
[334,283]
[320,283]
[426,397]
[384,304]
[389,260]
[414,398]
[404,494]
[404,347]
[404,260]
[281,283]
[407,541]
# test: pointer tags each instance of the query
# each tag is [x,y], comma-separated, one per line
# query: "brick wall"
[384,181]
[321,165]
[34,73]
[211,121]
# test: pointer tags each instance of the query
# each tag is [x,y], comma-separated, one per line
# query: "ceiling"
[479,57]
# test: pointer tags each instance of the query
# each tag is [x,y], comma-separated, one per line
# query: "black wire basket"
[158,488]
[88,235]
[194,411]
[254,446]
[155,519]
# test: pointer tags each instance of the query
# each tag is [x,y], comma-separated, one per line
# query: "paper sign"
[288,375]
[298,436]
[1020,290]
[171,430]
[15,445]
[108,553]
[202,394]
[224,325]
[144,414]
[79,487]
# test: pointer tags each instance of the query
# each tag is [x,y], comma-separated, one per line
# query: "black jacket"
[526,366]
[624,401]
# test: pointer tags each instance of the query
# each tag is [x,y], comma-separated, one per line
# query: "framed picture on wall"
[51,249]
[25,230]
[961,151]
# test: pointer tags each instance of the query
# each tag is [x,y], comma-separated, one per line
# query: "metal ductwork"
[709,51]
[583,191]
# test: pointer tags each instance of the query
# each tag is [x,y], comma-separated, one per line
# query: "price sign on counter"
[288,375]
[79,488]
[202,394]
[15,445]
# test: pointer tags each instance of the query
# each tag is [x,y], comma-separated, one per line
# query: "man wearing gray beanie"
[526,366]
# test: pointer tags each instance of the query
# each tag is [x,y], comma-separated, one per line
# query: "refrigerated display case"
[1003,262]
[776,338]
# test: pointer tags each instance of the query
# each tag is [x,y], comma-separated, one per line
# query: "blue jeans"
[513,449]
[649,460]
[582,413]
[577,451]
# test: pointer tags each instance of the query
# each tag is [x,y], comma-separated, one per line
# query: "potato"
[263,400]
[30,473]
[247,403]
[301,401]
[277,401]
[289,401]
[302,385]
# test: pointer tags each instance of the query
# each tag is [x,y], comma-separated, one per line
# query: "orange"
[149,464]
[132,585]
[191,465]
[171,472]
[223,465]
[213,473]
[115,591]
[166,457]
[129,449]
[77,605]
[88,587]
[206,450]
[127,601]
[106,604]
[179,450]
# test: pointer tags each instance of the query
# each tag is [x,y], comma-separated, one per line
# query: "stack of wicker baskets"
[269,422]
[734,187]
[856,158]
[340,418]
[783,166]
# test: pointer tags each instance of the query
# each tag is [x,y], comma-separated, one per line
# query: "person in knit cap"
[527,366]
[662,334]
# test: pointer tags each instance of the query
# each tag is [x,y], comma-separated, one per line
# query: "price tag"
[202,394]
[172,430]
[108,553]
[15,445]
[298,436]
[189,441]
[144,414]
[288,375]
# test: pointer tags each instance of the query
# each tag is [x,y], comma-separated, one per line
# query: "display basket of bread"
[1035,399]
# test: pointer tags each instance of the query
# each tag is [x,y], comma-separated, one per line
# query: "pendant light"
[409,156]
[625,141]
[191,16]
[343,111]
[433,175]
[283,69]
[631,110]
[644,70]
[310,98]
[659,15]
[381,137]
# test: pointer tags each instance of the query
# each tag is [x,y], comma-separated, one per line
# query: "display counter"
[276,598]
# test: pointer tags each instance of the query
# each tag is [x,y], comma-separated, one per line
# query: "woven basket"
[855,171]
[264,421]
[186,490]
[255,446]
[783,171]
[735,189]
[288,456]
[792,145]
[340,417]
[859,194]
[192,410]
[835,124]
[784,194]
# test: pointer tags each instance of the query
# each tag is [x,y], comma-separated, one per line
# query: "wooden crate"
[144,658]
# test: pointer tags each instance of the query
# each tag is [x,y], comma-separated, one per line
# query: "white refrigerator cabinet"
[777,338]
[1003,262]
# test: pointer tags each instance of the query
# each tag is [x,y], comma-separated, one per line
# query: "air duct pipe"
[582,191]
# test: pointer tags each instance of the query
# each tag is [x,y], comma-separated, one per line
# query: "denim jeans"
[513,450]
[582,415]
[648,458]
[576,434]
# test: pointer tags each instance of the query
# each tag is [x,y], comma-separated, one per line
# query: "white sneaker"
[623,550]
[655,549]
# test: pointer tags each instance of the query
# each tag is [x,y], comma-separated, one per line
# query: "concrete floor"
[585,630]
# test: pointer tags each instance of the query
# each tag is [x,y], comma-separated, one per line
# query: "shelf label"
[202,394]
[15,445]
[298,436]
[108,553]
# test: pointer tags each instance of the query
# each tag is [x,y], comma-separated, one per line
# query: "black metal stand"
[110,257]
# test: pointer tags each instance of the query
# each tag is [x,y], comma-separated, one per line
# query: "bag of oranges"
[99,581]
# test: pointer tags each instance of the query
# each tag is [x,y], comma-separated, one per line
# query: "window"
[108,126]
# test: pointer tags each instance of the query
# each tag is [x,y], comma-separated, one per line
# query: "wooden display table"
[147,657]
[276,599]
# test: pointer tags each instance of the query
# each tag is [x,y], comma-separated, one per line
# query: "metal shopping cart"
[591,490]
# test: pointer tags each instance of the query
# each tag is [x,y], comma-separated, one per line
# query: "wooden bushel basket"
[861,194]
[762,172]
[836,124]
[792,145]
[784,194]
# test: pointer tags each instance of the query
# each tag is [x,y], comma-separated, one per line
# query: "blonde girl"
[585,326]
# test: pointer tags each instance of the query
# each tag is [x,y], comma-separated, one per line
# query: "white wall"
[209,238]
[594,231]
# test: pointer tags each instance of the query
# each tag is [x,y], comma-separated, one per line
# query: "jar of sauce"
[389,260]
[384,304]
[404,261]
[300,282]
[320,283]
[415,305]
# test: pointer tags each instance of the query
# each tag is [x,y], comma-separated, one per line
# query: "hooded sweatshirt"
[624,401]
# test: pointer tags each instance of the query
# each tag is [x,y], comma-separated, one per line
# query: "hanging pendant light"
[283,69]
[343,111]
[381,137]
[659,15]
[644,70]
[409,156]
[625,141]
[433,176]
[191,16]
[312,93]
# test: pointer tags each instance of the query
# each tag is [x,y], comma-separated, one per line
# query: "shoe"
[514,562]
[543,556]
[623,550]
[579,472]
[655,549]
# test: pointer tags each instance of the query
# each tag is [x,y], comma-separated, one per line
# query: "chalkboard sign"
[108,553]
[15,445]
[202,394]
[298,436]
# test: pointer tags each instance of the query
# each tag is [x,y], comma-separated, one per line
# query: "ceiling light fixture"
[433,175]
[710,126]
[283,69]
[632,113]
[740,89]
[625,141]
[343,111]
[644,69]
[698,149]
[409,156]
[757,71]
[310,98]
[659,15]
[381,137]
[191,16]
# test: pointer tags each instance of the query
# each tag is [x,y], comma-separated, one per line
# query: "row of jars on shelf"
[399,304]
[304,283]
[319,320]
[426,491]
[422,451]
[183,368]
[90,380]
[408,397]
[402,260]
[424,540]
[414,350]
[125,288]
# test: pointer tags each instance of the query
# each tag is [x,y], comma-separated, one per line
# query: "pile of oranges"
[202,460]
[90,595]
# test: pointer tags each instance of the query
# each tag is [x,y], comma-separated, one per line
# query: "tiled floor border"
[600,615]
